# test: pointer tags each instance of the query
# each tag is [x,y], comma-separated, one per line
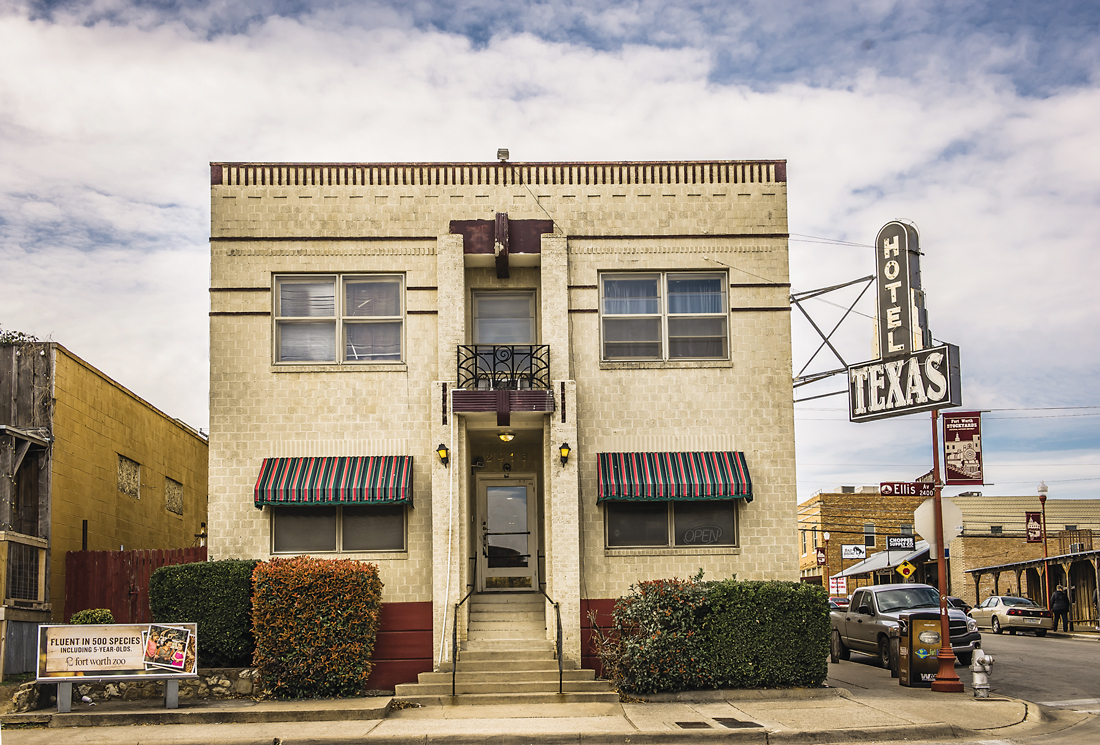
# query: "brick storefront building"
[401,354]
[993,540]
[851,515]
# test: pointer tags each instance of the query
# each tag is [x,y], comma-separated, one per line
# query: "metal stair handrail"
[454,642]
[557,612]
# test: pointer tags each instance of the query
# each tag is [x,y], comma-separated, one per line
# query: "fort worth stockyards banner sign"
[962,448]
[117,651]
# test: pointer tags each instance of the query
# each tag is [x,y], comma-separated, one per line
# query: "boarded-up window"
[129,477]
[173,496]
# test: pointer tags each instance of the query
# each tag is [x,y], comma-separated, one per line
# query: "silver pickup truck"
[873,611]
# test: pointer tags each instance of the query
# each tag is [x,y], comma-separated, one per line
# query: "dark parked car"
[839,601]
[959,603]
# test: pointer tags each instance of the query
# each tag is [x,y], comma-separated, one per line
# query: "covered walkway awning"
[367,479]
[673,476]
[884,560]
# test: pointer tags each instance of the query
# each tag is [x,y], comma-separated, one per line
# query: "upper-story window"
[339,318]
[664,316]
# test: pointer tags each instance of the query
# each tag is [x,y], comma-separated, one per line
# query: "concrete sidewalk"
[790,716]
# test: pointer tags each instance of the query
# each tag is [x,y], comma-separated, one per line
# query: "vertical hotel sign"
[962,448]
[910,375]
[902,322]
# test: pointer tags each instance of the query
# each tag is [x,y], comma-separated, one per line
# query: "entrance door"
[508,552]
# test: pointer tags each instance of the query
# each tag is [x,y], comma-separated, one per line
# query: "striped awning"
[369,479]
[673,476]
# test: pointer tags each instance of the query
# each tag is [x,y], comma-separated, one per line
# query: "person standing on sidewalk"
[1059,606]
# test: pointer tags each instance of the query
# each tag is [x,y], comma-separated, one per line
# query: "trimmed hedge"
[94,616]
[675,635]
[315,623]
[767,634]
[216,595]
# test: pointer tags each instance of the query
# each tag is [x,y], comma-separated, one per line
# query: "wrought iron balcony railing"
[513,367]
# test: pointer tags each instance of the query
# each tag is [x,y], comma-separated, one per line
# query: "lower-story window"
[680,524]
[347,528]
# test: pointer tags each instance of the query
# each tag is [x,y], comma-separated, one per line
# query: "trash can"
[919,645]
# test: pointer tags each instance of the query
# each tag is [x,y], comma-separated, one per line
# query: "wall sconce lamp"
[506,436]
[564,450]
[444,453]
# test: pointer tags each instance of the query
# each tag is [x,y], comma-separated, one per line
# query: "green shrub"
[658,627]
[92,616]
[674,635]
[766,634]
[216,595]
[315,623]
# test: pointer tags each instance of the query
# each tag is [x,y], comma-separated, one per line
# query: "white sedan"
[999,612]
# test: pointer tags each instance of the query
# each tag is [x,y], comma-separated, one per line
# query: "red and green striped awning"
[369,479]
[673,476]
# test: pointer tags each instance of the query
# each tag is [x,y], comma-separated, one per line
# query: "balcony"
[23,570]
[508,367]
[504,378]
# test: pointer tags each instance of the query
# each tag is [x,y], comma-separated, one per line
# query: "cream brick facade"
[275,219]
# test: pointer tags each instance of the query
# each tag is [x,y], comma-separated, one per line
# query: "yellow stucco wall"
[94,421]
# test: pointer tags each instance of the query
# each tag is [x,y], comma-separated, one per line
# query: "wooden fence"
[118,580]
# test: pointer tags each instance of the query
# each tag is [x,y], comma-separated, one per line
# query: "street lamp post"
[1043,489]
[828,580]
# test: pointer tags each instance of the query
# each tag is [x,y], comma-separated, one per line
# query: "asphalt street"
[1060,673]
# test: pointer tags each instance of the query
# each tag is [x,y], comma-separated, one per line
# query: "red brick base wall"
[404,645]
[603,609]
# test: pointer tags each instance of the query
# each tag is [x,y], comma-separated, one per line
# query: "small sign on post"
[907,489]
[962,448]
[905,569]
[821,556]
[901,543]
[853,551]
[838,585]
[1034,523]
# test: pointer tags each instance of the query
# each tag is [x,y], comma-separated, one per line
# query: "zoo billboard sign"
[117,651]
[919,381]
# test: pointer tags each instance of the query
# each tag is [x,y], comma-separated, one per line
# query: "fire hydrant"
[981,666]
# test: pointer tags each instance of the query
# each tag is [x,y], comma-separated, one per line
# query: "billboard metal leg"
[64,697]
[171,694]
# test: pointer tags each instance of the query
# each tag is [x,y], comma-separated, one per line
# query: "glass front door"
[508,554]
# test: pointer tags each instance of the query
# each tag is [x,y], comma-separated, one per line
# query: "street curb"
[193,716]
[744,694]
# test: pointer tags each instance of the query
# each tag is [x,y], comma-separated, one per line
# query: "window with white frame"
[664,316]
[673,524]
[337,529]
[339,319]
[869,535]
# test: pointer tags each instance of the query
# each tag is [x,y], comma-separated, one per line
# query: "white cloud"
[107,129]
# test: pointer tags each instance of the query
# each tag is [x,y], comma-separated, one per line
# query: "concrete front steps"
[507,660]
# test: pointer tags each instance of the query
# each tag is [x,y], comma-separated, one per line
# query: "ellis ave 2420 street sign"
[907,489]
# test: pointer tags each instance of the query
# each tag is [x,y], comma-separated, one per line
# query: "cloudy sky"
[976,120]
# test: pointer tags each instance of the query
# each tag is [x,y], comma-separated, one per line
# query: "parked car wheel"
[837,650]
[996,625]
[965,658]
[1040,632]
[884,652]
